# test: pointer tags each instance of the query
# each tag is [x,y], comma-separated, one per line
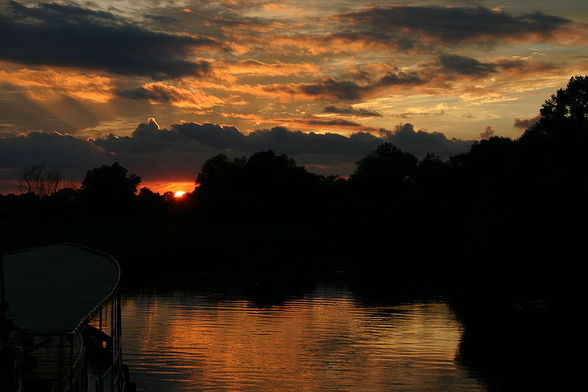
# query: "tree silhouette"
[385,171]
[109,185]
[564,119]
[219,171]
[264,186]
[570,103]
[555,147]
[40,181]
[274,174]
[220,180]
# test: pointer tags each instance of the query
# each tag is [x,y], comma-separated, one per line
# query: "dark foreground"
[496,232]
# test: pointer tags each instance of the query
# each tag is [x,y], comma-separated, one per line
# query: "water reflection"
[325,341]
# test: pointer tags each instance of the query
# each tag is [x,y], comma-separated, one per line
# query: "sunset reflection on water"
[326,341]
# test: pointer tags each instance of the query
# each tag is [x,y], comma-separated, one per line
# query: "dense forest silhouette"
[495,230]
[491,214]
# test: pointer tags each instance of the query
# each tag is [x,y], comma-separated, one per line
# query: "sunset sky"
[160,86]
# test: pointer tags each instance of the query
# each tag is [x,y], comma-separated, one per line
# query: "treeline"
[483,220]
[499,231]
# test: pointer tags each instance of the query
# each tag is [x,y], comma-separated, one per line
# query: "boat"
[60,321]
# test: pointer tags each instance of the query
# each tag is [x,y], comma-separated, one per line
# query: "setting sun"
[179,194]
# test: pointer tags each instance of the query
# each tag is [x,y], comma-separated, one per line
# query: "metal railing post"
[3,307]
[112,332]
[6,356]
[119,340]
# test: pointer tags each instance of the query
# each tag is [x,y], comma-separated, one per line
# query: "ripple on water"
[324,342]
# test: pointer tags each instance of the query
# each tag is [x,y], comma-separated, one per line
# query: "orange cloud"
[47,84]
[157,93]
[255,67]
[320,44]
[573,35]
[252,117]
[313,123]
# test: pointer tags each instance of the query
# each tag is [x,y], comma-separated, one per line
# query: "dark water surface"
[326,340]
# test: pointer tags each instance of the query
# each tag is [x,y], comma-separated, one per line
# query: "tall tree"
[39,180]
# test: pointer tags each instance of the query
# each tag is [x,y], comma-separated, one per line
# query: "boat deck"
[54,289]
[52,293]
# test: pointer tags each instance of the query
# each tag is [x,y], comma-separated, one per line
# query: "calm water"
[325,341]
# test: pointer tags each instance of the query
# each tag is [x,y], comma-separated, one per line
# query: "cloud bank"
[178,152]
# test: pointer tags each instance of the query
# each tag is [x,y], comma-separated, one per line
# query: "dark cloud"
[162,19]
[398,78]
[525,67]
[513,64]
[140,93]
[526,122]
[462,65]
[66,35]
[55,150]
[148,137]
[448,66]
[330,122]
[409,115]
[297,143]
[191,137]
[162,93]
[178,152]
[329,88]
[151,126]
[352,148]
[364,82]
[487,133]
[351,111]
[345,90]
[54,12]
[421,143]
[454,24]
[211,135]
[348,90]
[235,22]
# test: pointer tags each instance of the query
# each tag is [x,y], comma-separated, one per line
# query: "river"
[326,339]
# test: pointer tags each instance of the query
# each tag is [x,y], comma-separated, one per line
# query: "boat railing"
[60,357]
[83,366]
[109,372]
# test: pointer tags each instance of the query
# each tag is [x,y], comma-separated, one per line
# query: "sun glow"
[169,186]
[179,194]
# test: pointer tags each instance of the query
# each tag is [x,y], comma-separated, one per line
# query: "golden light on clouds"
[47,84]
[161,93]
[258,64]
